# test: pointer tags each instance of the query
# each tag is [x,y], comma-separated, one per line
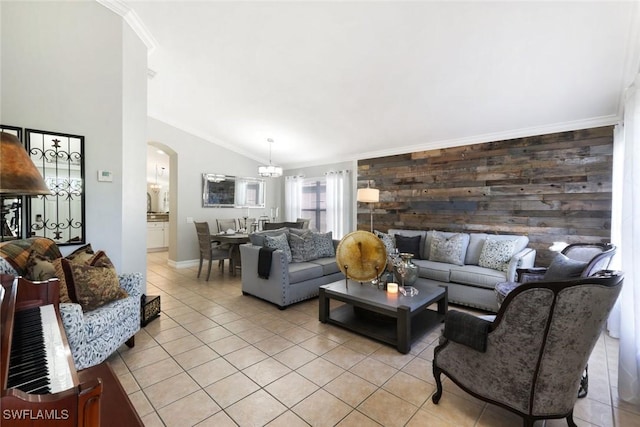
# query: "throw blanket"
[16,252]
[466,329]
[264,262]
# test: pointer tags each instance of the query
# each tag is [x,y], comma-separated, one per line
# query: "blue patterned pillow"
[279,242]
[388,240]
[302,247]
[323,243]
[496,254]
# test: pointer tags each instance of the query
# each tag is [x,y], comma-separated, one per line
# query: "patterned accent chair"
[92,335]
[529,360]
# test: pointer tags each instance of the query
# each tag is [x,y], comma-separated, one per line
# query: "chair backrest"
[550,329]
[305,222]
[226,224]
[204,237]
[598,255]
[276,225]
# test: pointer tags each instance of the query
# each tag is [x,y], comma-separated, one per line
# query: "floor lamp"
[371,196]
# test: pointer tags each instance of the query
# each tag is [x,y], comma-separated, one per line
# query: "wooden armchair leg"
[131,342]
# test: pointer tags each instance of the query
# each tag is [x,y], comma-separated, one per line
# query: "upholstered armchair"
[576,260]
[529,360]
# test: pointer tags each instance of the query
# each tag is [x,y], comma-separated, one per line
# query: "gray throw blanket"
[466,329]
[264,262]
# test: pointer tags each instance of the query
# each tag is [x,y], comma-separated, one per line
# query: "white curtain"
[626,234]
[293,197]
[338,201]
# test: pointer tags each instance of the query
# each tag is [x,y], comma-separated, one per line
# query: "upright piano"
[40,386]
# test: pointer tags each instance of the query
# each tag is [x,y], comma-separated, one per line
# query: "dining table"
[234,240]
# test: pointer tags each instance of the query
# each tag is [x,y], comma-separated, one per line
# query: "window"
[314,203]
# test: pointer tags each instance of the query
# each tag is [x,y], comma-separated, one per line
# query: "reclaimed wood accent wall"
[554,187]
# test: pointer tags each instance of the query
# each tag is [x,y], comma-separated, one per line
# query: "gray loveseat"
[288,282]
[470,276]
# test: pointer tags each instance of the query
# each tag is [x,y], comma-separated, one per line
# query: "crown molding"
[595,122]
[119,7]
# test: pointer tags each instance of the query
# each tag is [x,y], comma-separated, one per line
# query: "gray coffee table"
[390,318]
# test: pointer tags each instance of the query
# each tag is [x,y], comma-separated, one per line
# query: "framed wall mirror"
[60,159]
[225,191]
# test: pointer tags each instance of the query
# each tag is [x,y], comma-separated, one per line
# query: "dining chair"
[226,224]
[209,249]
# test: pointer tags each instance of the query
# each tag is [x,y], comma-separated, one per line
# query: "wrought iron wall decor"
[61,215]
[11,206]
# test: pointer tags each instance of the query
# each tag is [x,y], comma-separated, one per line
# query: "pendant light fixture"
[270,171]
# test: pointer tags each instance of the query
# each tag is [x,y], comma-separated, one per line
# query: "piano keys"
[38,380]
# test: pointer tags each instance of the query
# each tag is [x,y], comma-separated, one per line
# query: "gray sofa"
[469,282]
[288,282]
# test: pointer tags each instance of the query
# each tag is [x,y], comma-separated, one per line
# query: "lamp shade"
[18,175]
[270,171]
[368,195]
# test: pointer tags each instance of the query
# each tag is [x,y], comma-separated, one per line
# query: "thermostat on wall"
[105,176]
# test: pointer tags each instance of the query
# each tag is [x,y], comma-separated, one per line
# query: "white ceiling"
[331,81]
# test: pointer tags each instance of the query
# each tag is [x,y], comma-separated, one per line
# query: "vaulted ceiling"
[331,81]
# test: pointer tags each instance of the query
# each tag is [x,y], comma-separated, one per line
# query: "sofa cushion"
[433,270]
[449,249]
[324,244]
[302,247]
[301,271]
[91,286]
[409,245]
[328,264]
[564,268]
[477,276]
[476,242]
[281,242]
[496,254]
[257,238]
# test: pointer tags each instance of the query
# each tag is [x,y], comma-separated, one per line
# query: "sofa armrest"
[132,283]
[73,322]
[523,259]
[276,287]
[534,274]
[466,329]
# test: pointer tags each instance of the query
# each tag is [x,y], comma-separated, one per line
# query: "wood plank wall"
[554,187]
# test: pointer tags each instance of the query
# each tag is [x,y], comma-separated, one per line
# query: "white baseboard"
[184,264]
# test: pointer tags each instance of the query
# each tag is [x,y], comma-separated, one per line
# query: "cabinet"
[157,235]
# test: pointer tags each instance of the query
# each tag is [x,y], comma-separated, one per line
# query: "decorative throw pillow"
[302,248]
[39,268]
[388,241]
[323,243]
[64,291]
[496,254]
[91,286]
[409,245]
[279,242]
[564,268]
[16,252]
[450,250]
[258,238]
[82,255]
[100,259]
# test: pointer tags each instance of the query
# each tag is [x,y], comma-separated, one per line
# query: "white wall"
[192,156]
[73,67]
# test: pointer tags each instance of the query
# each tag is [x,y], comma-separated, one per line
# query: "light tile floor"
[217,358]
